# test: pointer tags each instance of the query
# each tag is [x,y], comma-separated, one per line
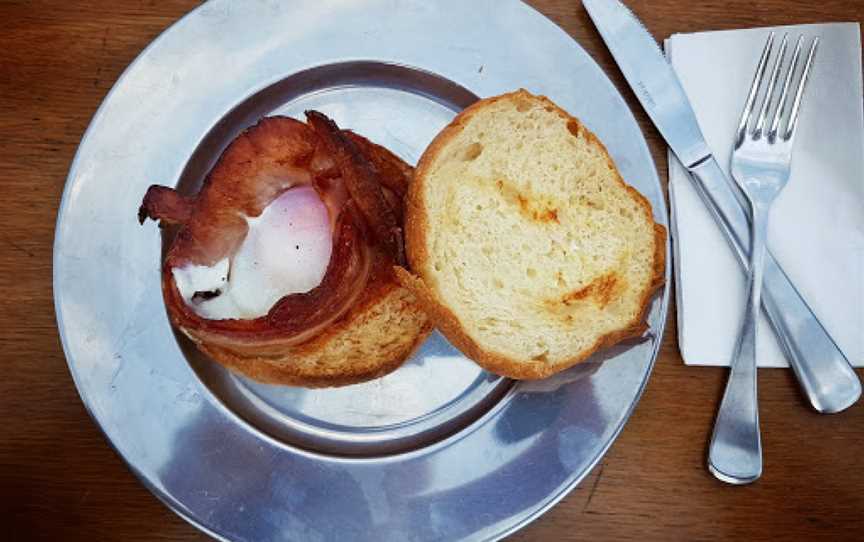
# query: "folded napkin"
[817,223]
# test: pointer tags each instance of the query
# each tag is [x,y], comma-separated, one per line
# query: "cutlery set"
[760,166]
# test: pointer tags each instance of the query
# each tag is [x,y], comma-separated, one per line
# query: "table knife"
[825,375]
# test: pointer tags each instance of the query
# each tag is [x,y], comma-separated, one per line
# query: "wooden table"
[59,478]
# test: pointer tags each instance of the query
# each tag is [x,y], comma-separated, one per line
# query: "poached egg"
[286,251]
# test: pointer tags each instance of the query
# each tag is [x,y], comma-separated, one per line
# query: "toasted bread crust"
[416,227]
[305,367]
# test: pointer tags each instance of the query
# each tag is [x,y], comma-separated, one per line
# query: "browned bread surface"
[527,248]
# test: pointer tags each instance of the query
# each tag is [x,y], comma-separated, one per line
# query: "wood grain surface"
[59,478]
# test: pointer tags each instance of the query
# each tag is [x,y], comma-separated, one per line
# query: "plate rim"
[661,300]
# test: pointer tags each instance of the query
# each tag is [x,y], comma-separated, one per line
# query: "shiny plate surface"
[438,450]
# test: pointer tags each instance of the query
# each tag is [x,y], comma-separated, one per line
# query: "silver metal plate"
[437,450]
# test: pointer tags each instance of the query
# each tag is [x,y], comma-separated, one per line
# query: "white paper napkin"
[817,223]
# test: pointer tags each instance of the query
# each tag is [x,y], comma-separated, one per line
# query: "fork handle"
[823,372]
[735,452]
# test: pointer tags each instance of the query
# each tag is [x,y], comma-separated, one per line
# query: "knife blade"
[824,373]
[651,78]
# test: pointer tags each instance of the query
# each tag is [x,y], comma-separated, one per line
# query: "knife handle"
[824,373]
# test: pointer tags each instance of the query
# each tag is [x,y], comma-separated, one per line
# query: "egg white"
[286,251]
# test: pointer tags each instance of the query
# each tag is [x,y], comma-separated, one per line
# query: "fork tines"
[767,93]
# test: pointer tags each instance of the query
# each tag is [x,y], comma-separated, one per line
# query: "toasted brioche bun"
[526,247]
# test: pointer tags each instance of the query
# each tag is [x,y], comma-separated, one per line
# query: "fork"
[761,161]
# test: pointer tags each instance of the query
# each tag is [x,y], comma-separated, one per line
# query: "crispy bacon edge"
[362,183]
